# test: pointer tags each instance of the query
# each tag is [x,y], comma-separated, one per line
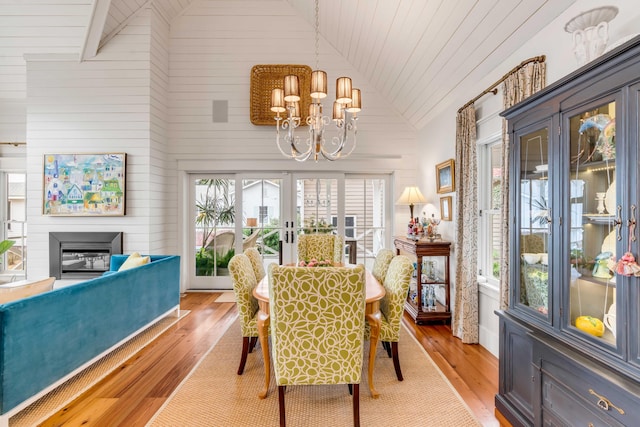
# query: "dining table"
[374,293]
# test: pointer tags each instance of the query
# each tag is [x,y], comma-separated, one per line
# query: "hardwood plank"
[132,394]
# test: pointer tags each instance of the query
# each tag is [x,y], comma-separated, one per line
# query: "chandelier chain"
[317,34]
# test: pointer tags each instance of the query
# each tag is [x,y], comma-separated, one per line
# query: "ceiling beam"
[93,35]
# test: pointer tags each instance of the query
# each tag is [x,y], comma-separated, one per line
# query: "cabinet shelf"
[420,249]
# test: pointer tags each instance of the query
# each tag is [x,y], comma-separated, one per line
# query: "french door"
[232,212]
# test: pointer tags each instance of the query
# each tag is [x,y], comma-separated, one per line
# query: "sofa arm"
[116,261]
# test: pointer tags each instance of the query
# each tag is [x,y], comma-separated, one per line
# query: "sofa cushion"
[134,260]
[24,288]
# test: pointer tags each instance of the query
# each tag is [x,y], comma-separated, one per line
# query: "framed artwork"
[445,176]
[84,184]
[445,208]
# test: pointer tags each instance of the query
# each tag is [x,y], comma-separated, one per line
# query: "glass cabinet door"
[590,225]
[534,220]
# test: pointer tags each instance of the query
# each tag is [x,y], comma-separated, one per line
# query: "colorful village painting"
[84,184]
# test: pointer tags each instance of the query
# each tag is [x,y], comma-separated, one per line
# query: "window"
[489,204]
[349,225]
[264,214]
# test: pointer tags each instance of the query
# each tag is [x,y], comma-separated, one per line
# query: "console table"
[420,249]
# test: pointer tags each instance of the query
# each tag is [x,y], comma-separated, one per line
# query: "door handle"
[286,237]
[292,237]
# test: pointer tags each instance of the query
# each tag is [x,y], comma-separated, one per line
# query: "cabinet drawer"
[574,392]
[561,407]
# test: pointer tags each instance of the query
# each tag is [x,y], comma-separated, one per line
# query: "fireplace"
[82,255]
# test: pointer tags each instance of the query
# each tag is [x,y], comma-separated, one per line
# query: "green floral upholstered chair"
[244,280]
[321,247]
[317,317]
[381,264]
[256,262]
[396,285]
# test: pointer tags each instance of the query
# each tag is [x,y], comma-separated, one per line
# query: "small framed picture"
[445,176]
[445,208]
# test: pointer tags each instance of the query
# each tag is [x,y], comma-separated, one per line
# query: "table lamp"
[411,196]
[252,222]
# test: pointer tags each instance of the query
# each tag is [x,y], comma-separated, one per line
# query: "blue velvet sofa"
[47,338]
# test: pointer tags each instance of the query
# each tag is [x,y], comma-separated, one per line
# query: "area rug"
[214,395]
[53,401]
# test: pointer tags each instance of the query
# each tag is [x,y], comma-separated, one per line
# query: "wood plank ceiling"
[419,54]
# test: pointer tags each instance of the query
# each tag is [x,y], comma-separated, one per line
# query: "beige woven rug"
[214,395]
[53,401]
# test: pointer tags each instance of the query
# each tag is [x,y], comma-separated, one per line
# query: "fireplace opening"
[81,255]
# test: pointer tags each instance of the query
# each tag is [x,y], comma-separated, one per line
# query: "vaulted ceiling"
[418,54]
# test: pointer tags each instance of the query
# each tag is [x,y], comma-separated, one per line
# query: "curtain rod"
[493,89]
[15,144]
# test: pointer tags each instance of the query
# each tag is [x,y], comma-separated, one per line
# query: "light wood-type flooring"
[135,391]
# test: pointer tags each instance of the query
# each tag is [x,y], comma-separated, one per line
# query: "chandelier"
[345,108]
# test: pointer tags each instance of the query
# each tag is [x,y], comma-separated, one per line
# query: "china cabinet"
[429,294]
[569,341]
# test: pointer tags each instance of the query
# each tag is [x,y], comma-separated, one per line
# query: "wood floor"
[137,389]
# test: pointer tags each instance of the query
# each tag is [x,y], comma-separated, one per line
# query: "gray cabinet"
[570,340]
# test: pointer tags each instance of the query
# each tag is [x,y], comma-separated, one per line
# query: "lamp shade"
[318,84]
[356,103]
[277,101]
[411,196]
[291,88]
[343,90]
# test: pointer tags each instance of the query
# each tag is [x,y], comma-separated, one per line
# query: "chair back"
[396,285]
[317,317]
[321,247]
[244,280]
[381,264]
[251,240]
[256,262]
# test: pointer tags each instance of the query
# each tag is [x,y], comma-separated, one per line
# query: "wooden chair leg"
[243,357]
[252,343]
[356,405]
[396,360]
[386,346]
[283,416]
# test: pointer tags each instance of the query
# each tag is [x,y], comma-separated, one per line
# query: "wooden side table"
[426,248]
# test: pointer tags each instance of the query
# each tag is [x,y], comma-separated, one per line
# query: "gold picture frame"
[265,78]
[445,176]
[445,208]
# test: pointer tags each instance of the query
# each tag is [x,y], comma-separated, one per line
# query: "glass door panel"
[592,240]
[534,221]
[214,226]
[261,217]
[365,217]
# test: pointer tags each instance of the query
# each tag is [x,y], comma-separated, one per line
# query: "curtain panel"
[517,86]
[464,323]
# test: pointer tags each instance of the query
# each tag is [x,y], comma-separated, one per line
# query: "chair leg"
[396,360]
[350,389]
[252,343]
[386,346]
[243,357]
[283,416]
[356,405]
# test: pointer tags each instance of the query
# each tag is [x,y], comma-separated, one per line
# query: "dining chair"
[256,262]
[396,285]
[317,317]
[381,264]
[244,280]
[321,247]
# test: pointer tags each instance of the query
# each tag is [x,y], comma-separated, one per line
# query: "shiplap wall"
[118,102]
[100,105]
[163,213]
[214,45]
